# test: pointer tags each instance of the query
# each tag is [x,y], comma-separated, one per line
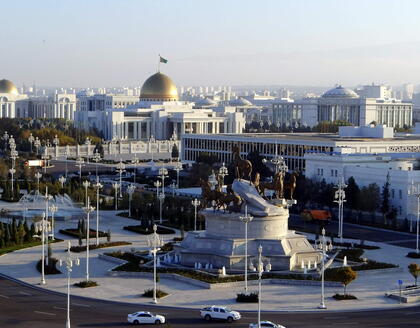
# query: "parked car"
[266,324]
[219,313]
[143,317]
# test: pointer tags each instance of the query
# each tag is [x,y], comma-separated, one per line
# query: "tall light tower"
[115,185]
[130,191]
[195,203]
[42,226]
[340,198]
[154,242]
[260,270]
[31,140]
[120,169]
[37,144]
[45,157]
[161,198]
[157,185]
[98,186]
[323,247]
[79,163]
[177,168]
[246,219]
[86,184]
[69,261]
[88,209]
[163,172]
[414,191]
[135,162]
[97,158]
[87,143]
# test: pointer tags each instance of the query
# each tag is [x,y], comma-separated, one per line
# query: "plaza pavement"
[368,287]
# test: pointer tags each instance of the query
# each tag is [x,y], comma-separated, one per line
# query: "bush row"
[78,249]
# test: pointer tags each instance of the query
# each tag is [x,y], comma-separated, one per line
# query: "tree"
[414,269]
[385,199]
[346,275]
[175,151]
[352,194]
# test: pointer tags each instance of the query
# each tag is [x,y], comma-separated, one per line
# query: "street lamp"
[98,186]
[120,169]
[86,184]
[38,176]
[323,247]
[173,186]
[177,168]
[45,158]
[157,185]
[340,198]
[62,180]
[12,171]
[212,180]
[163,172]
[246,219]
[87,143]
[88,209]
[31,140]
[68,262]
[130,191]
[66,154]
[415,191]
[154,242]
[135,162]
[115,185]
[42,226]
[195,203]
[97,159]
[79,163]
[260,269]
[161,199]
[53,208]
[223,171]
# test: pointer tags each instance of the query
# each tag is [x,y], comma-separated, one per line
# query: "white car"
[143,317]
[219,313]
[266,324]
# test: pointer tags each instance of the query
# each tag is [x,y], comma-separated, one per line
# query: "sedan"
[143,317]
[266,324]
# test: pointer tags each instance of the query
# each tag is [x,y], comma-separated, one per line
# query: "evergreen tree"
[28,235]
[20,233]
[13,232]
[175,151]
[2,233]
[32,231]
[385,206]
[7,238]
[352,194]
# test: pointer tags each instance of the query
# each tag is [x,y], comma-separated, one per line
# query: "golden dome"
[159,87]
[7,86]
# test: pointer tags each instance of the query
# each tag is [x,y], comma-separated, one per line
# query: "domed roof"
[205,102]
[340,92]
[240,102]
[159,87]
[7,86]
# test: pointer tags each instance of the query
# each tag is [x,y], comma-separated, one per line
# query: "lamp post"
[154,242]
[115,185]
[86,184]
[38,176]
[212,180]
[223,171]
[79,163]
[87,143]
[47,199]
[96,159]
[157,185]
[88,209]
[12,171]
[130,191]
[246,219]
[260,269]
[323,247]
[195,203]
[53,208]
[173,186]
[120,169]
[340,198]
[135,162]
[98,186]
[56,142]
[161,199]
[415,191]
[62,180]
[69,261]
[66,154]
[31,140]
[42,226]
[45,158]
[163,172]
[177,168]
[37,144]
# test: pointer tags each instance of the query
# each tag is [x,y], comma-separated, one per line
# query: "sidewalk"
[368,287]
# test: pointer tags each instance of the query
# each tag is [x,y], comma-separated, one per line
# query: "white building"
[15,105]
[158,113]
[341,104]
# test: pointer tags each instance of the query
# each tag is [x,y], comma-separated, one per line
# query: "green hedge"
[78,249]
[413,255]
[343,297]
[159,293]
[86,284]
[75,233]
[247,298]
[353,254]
[147,231]
[51,268]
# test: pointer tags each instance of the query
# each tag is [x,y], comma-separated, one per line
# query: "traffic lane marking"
[46,313]
[4,296]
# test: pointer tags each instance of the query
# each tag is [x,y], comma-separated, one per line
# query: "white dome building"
[340,92]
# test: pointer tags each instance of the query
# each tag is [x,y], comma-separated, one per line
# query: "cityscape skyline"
[281,43]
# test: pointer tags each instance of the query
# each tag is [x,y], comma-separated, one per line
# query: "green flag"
[163,60]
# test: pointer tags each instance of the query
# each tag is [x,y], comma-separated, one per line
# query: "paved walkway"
[368,287]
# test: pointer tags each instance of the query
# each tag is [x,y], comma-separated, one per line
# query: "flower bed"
[51,268]
[79,249]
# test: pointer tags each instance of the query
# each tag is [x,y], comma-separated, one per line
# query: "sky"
[104,43]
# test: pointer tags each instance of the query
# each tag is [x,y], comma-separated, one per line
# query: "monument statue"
[243,167]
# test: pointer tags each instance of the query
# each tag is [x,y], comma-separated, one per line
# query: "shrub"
[78,249]
[148,231]
[247,298]
[373,265]
[342,297]
[159,293]
[414,269]
[353,254]
[78,234]
[51,268]
[413,255]
[345,275]
[86,284]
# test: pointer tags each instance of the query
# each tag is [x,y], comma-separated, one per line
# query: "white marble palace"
[157,113]
[15,105]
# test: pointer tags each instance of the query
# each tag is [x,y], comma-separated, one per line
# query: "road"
[23,306]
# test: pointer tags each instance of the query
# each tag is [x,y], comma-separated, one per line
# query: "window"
[332,173]
[392,193]
[222,311]
[400,193]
